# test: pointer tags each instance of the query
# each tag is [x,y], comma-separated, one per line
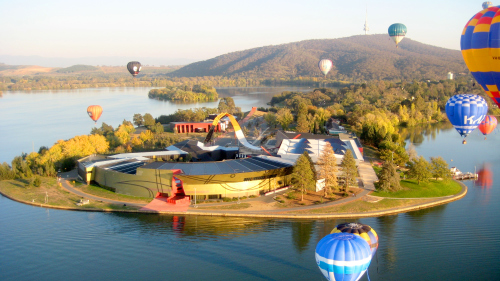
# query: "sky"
[163,31]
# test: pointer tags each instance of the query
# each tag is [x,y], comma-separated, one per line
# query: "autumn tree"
[440,168]
[302,176]
[284,117]
[328,168]
[149,121]
[271,119]
[419,169]
[138,120]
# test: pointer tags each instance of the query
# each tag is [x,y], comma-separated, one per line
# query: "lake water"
[457,241]
[29,120]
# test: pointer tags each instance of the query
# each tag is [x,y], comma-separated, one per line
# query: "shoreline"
[274,213]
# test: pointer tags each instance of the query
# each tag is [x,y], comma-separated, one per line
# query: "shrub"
[226,199]
[291,195]
[37,181]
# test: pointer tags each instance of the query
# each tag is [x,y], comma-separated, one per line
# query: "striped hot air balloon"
[325,65]
[94,112]
[363,230]
[488,125]
[480,44]
[397,32]
[466,112]
[487,4]
[343,256]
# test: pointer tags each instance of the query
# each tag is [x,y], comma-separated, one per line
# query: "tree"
[138,120]
[389,178]
[328,169]
[302,176]
[440,168]
[419,169]
[348,165]
[284,117]
[270,119]
[149,121]
[227,105]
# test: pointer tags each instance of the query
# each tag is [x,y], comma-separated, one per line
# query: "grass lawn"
[432,188]
[227,207]
[104,193]
[55,195]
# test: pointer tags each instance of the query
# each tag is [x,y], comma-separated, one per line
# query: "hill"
[361,57]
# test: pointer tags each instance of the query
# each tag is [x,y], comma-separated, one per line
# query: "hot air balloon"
[488,125]
[487,4]
[343,256]
[397,32]
[325,65]
[363,230]
[480,49]
[94,112]
[134,67]
[466,112]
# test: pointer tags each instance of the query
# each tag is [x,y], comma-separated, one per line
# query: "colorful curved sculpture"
[238,133]
[480,45]
[363,230]
[325,65]
[487,4]
[343,256]
[397,32]
[466,112]
[488,125]
[94,112]
[134,67]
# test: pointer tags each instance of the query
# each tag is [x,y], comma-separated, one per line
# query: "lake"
[457,241]
[31,119]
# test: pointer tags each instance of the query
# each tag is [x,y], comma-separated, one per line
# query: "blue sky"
[201,29]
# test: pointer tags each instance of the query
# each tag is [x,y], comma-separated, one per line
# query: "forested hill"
[365,57]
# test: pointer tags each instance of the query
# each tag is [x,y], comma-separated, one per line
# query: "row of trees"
[304,175]
[185,93]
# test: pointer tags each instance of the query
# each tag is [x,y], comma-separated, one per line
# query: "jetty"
[456,174]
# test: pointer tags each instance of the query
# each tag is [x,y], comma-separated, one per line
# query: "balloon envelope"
[94,112]
[363,230]
[134,67]
[487,4]
[397,32]
[466,112]
[488,125]
[325,65]
[480,45]
[343,256]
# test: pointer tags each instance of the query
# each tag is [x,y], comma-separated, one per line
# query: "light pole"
[195,198]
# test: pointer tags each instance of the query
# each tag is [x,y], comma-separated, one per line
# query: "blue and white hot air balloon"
[487,4]
[466,112]
[343,256]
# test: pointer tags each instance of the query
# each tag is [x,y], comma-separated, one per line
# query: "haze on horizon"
[174,32]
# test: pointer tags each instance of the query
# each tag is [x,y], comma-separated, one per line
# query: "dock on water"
[456,174]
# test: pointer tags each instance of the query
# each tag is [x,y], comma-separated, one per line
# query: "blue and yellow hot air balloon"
[397,32]
[363,230]
[343,256]
[480,44]
[466,112]
[487,4]
[325,65]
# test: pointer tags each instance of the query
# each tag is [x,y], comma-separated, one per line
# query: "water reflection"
[418,134]
[302,232]
[484,176]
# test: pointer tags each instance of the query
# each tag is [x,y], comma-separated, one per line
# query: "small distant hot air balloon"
[363,230]
[488,125]
[480,49]
[487,4]
[343,256]
[466,112]
[94,112]
[134,67]
[397,32]
[325,65]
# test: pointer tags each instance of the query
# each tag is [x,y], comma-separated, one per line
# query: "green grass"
[104,193]
[432,188]
[228,207]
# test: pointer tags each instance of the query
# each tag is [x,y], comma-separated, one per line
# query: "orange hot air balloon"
[487,125]
[94,112]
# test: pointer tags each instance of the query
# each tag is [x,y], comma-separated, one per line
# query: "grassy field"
[101,192]
[361,206]
[432,188]
[51,194]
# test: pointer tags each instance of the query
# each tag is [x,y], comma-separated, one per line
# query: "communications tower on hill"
[366,29]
